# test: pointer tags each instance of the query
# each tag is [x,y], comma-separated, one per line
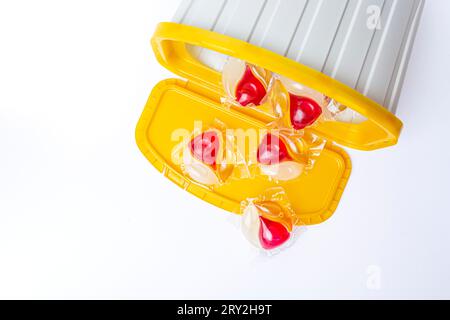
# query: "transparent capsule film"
[340,113]
[207,157]
[268,221]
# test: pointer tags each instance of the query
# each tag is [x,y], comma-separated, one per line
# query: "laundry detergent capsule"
[246,85]
[205,158]
[266,225]
[275,160]
[305,105]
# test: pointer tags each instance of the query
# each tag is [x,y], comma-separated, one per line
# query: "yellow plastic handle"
[169,43]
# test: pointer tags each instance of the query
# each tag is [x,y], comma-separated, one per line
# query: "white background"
[84,215]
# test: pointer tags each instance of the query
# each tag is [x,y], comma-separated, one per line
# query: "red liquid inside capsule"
[272,151]
[272,234]
[205,147]
[250,90]
[304,111]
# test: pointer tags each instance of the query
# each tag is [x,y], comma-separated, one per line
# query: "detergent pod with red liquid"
[207,156]
[268,222]
[284,156]
[246,85]
[298,106]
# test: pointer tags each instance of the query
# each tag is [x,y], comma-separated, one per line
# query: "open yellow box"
[177,104]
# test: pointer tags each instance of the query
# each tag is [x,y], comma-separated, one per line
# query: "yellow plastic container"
[176,104]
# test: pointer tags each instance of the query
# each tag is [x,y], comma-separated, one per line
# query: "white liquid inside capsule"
[233,72]
[298,89]
[251,225]
[197,170]
[285,171]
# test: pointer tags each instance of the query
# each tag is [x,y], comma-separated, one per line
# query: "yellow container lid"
[177,104]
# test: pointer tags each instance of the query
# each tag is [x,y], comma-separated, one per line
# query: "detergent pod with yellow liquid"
[296,98]
[268,221]
[246,85]
[302,107]
[284,155]
[297,106]
[208,156]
